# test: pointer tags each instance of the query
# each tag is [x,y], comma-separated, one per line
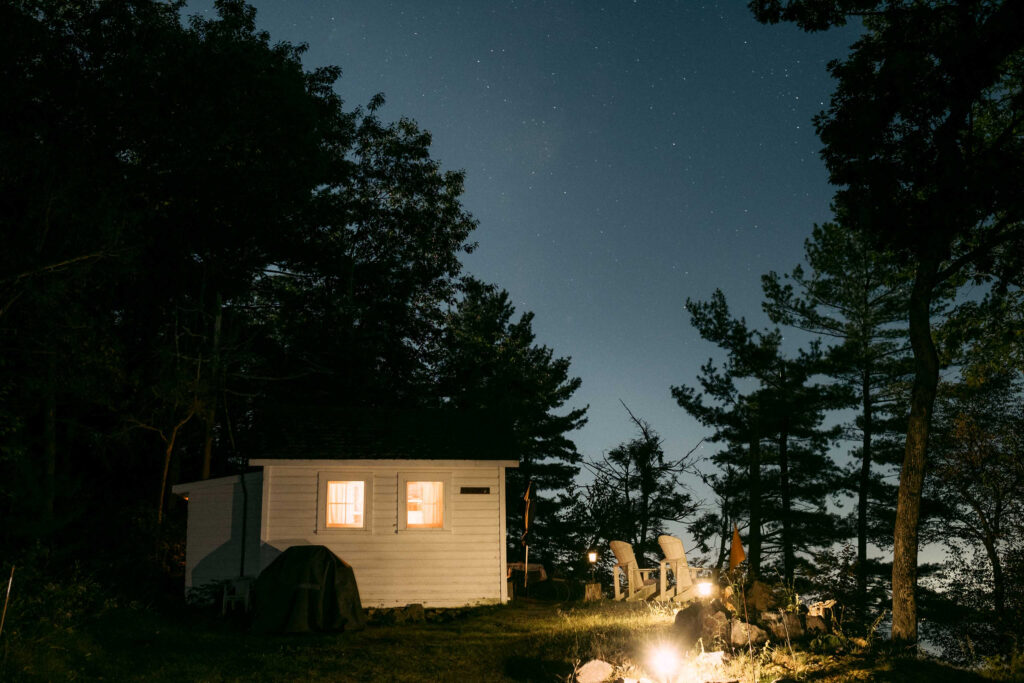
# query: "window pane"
[424,504]
[345,504]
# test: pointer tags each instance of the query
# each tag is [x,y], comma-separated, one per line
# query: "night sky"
[619,159]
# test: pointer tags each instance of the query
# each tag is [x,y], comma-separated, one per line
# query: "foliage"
[487,360]
[922,139]
[775,463]
[854,297]
[636,489]
[49,596]
[978,478]
[197,233]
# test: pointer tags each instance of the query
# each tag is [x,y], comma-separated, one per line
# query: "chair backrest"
[623,553]
[672,548]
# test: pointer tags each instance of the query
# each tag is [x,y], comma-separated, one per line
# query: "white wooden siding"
[438,568]
[213,545]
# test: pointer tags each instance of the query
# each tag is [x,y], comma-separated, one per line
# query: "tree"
[854,296]
[923,139]
[778,422]
[636,490]
[978,470]
[354,313]
[195,229]
[487,360]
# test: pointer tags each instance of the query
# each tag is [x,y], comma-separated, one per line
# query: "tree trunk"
[210,414]
[862,494]
[723,548]
[908,507]
[754,477]
[168,454]
[788,558]
[998,587]
[50,443]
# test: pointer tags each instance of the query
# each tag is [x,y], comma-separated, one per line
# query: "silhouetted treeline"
[198,233]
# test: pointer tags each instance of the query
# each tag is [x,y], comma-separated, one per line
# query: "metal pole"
[526,566]
[3,618]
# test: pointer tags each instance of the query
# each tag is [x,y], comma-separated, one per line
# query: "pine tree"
[488,360]
[784,466]
[854,297]
[922,139]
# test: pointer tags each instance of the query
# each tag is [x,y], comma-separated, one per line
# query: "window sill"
[342,531]
[406,530]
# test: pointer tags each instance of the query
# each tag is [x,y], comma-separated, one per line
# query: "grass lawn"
[520,642]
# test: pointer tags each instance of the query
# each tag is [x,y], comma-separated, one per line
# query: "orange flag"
[736,554]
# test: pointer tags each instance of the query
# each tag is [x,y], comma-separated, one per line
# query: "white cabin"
[418,530]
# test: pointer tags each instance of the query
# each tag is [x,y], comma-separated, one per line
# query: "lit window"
[424,504]
[345,504]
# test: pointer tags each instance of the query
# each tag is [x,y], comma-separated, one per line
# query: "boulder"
[822,614]
[716,629]
[594,671]
[821,609]
[701,621]
[760,598]
[742,633]
[815,624]
[782,625]
[689,623]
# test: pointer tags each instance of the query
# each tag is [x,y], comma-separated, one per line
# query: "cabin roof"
[332,433]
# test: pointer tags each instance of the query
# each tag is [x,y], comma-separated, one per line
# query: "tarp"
[307,588]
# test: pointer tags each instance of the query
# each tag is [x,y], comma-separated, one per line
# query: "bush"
[48,598]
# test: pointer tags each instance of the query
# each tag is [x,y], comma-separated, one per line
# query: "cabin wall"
[463,564]
[214,544]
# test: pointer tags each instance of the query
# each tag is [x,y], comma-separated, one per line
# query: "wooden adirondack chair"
[638,584]
[682,574]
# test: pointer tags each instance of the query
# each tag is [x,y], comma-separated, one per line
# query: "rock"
[821,609]
[760,598]
[701,621]
[816,625]
[742,633]
[410,613]
[689,623]
[594,671]
[782,625]
[824,611]
[716,629]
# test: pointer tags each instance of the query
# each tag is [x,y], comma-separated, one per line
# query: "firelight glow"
[704,589]
[664,661]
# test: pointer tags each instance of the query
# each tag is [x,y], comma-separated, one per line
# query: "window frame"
[325,476]
[446,501]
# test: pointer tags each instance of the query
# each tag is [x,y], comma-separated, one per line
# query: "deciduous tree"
[923,139]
